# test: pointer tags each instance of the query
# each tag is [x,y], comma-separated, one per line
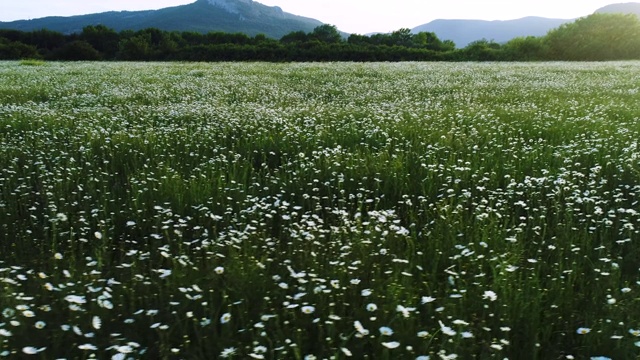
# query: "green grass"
[483,210]
[32,62]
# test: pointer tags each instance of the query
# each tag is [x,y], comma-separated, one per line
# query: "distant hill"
[625,8]
[252,18]
[463,32]
[244,16]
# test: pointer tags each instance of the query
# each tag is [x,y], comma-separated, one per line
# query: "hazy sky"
[353,16]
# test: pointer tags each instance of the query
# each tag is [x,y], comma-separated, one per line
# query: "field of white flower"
[320,211]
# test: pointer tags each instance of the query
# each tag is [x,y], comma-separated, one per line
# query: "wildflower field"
[320,211]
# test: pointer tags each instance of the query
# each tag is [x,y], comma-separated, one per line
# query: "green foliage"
[326,33]
[482,50]
[10,50]
[596,37]
[46,40]
[101,38]
[324,43]
[137,47]
[525,49]
[401,37]
[295,37]
[429,40]
[32,62]
[75,51]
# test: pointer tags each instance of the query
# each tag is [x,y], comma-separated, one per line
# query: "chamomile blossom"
[583,330]
[225,318]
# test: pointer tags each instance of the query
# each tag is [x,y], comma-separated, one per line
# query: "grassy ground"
[302,211]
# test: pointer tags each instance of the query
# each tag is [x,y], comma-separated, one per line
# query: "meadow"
[319,211]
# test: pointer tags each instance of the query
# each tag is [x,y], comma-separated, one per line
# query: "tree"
[482,50]
[192,38]
[46,39]
[356,39]
[326,33]
[75,51]
[294,37]
[14,50]
[101,38]
[135,48]
[599,36]
[524,49]
[401,37]
[169,45]
[13,35]
[429,40]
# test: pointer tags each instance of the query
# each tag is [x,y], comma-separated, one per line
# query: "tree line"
[595,37]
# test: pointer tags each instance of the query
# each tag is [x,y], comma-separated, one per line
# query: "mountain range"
[252,18]
[625,8]
[463,32]
[232,16]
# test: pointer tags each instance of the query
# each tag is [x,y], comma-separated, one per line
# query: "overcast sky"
[353,16]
